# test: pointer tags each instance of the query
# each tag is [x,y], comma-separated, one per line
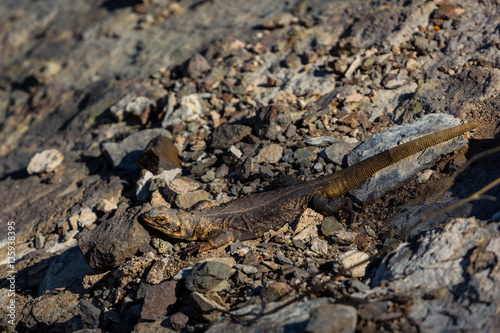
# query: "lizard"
[250,216]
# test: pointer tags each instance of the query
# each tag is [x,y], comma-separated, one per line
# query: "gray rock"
[247,269]
[90,314]
[329,225]
[333,318]
[114,241]
[464,254]
[45,161]
[207,275]
[228,134]
[395,174]
[337,152]
[66,271]
[290,318]
[344,237]
[304,157]
[159,300]
[472,88]
[323,141]
[272,121]
[393,81]
[319,246]
[125,154]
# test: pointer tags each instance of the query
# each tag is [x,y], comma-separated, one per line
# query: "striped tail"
[340,183]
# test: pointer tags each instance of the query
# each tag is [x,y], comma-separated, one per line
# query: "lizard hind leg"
[329,207]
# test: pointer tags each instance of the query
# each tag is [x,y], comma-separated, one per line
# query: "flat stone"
[45,161]
[227,135]
[181,185]
[159,300]
[106,206]
[307,225]
[435,261]
[295,318]
[323,141]
[190,109]
[151,327]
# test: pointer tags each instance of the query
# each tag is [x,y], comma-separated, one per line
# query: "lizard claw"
[192,249]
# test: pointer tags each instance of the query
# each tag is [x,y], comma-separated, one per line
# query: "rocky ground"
[244,93]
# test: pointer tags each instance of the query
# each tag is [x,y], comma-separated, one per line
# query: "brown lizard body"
[253,215]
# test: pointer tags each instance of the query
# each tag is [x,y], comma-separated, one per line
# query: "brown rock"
[276,291]
[52,308]
[178,321]
[196,67]
[159,300]
[114,241]
[272,121]
[160,154]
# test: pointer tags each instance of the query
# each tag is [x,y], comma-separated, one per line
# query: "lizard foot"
[197,247]
[329,207]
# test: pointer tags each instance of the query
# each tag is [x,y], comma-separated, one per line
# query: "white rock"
[45,161]
[354,262]
[307,225]
[87,218]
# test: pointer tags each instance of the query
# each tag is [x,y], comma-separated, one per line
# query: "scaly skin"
[253,215]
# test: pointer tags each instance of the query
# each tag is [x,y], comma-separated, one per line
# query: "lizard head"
[166,220]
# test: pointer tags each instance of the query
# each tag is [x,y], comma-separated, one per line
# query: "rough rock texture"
[127,235]
[456,265]
[249,92]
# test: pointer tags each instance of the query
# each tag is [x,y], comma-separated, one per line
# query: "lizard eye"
[147,216]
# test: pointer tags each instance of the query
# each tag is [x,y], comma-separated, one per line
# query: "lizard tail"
[340,183]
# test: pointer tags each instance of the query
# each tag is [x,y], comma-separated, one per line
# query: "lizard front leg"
[214,239]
